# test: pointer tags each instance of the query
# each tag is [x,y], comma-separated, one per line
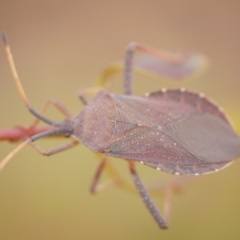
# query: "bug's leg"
[103,79]
[55,150]
[95,186]
[34,138]
[176,185]
[167,204]
[129,64]
[162,223]
[43,152]
[66,113]
[169,188]
[116,179]
[19,132]
[102,82]
[55,103]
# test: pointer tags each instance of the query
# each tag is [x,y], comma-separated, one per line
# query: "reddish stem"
[19,133]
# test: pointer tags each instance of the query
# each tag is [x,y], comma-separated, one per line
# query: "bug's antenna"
[19,84]
[14,71]
[11,154]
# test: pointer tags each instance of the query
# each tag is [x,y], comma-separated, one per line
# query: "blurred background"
[60,47]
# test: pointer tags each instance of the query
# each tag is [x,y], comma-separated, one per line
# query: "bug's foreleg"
[55,103]
[55,150]
[33,126]
[41,151]
[162,223]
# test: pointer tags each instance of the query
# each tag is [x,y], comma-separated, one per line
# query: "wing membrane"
[174,131]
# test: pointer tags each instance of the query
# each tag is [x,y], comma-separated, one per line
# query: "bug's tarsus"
[147,199]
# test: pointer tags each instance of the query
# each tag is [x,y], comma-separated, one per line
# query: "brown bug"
[176,131]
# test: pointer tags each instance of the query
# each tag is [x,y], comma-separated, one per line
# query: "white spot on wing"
[182,89]
[163,90]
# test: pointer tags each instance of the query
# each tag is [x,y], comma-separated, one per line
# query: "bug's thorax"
[94,125]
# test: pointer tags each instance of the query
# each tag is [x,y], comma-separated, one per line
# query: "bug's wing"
[177,132]
[206,137]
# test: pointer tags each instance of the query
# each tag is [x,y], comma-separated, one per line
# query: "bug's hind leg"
[161,221]
[167,189]
[115,181]
[95,186]
[129,61]
[176,185]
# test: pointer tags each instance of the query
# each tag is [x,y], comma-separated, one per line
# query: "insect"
[172,130]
